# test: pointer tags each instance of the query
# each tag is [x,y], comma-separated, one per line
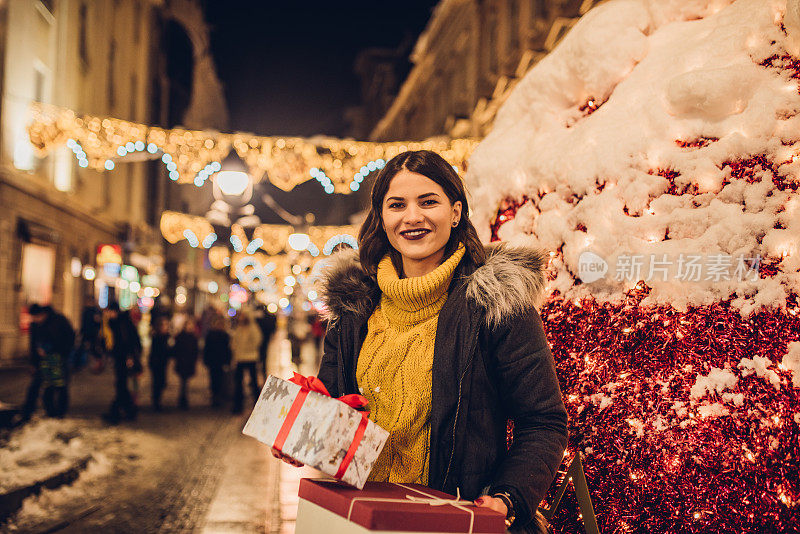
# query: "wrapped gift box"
[315,429]
[333,508]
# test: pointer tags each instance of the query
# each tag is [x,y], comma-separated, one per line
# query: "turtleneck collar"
[410,301]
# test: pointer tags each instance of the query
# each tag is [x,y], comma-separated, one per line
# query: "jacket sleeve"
[529,389]
[329,366]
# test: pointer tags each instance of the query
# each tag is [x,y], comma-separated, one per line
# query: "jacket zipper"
[455,422]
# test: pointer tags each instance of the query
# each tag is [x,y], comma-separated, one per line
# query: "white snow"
[637,425]
[718,380]
[760,366]
[39,450]
[712,410]
[602,400]
[791,362]
[662,72]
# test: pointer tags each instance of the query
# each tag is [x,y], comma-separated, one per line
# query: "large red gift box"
[335,508]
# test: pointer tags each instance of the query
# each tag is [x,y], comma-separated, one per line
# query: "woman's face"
[418,218]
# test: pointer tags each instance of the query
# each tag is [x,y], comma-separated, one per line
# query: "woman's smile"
[416,234]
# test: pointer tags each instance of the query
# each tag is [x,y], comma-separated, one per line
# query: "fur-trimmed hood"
[511,281]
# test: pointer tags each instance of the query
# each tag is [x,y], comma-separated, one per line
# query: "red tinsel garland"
[682,473]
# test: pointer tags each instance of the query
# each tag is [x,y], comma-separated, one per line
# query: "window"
[39,81]
[110,90]
[513,26]
[83,43]
[133,97]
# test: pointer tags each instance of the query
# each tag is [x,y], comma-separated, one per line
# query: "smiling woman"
[446,344]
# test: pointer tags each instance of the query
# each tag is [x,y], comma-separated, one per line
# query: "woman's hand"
[492,502]
[280,456]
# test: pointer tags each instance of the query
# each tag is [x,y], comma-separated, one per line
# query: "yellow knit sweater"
[394,367]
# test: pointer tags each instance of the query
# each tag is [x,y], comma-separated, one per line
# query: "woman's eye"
[429,202]
[395,205]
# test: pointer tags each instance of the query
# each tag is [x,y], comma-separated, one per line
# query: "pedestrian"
[51,341]
[298,332]
[123,344]
[186,351]
[444,340]
[91,321]
[245,342]
[160,352]
[217,357]
[267,322]
[129,320]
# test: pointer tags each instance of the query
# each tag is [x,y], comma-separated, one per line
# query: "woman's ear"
[456,213]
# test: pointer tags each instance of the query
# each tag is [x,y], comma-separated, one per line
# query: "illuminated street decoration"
[177,226]
[194,156]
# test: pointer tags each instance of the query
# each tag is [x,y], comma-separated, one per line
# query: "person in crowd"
[245,343]
[217,357]
[298,332]
[186,352]
[91,320]
[51,341]
[267,322]
[160,353]
[129,319]
[123,344]
[444,340]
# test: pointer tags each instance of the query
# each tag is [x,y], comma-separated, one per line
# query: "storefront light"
[75,267]
[88,273]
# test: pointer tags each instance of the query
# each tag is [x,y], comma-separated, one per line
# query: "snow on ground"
[39,450]
[45,446]
[623,139]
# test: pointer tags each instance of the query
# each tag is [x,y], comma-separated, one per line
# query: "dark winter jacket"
[186,351]
[217,349]
[127,345]
[491,363]
[54,336]
[160,352]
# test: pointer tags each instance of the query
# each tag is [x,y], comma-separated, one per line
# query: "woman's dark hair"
[372,241]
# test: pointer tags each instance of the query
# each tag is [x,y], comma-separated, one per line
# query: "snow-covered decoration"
[656,152]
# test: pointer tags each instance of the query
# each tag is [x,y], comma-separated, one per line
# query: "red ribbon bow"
[312,383]
[315,384]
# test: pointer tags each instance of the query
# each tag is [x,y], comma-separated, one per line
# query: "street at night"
[440,266]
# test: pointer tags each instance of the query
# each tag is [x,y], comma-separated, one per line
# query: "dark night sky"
[287,67]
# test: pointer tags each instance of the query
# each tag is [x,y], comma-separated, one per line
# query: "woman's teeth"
[414,233]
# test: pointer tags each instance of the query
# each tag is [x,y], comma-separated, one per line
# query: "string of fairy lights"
[194,156]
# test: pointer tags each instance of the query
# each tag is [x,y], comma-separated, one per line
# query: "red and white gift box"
[299,418]
[389,508]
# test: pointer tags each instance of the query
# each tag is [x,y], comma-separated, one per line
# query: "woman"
[246,341]
[160,351]
[186,351]
[217,356]
[446,344]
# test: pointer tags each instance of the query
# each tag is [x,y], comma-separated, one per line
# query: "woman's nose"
[412,215]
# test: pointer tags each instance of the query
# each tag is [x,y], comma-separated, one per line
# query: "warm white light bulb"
[232,183]
[299,241]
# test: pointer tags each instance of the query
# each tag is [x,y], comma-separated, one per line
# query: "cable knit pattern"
[394,366]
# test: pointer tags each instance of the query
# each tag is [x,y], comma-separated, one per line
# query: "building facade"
[467,61]
[99,58]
